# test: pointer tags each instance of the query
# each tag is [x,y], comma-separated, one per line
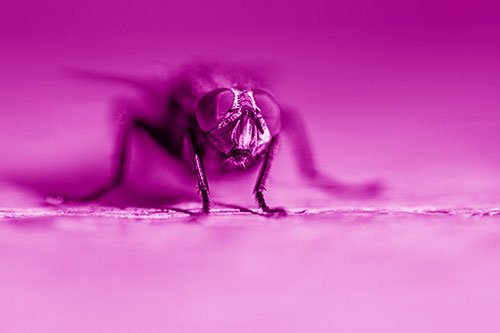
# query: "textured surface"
[91,268]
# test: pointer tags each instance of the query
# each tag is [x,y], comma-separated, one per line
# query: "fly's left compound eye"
[212,108]
[270,111]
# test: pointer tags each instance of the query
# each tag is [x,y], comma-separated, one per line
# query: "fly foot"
[274,212]
[271,212]
[56,200]
[366,190]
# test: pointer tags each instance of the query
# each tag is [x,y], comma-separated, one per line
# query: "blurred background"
[403,91]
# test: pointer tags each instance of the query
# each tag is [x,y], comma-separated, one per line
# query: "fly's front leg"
[200,173]
[260,186]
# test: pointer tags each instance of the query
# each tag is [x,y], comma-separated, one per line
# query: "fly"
[226,118]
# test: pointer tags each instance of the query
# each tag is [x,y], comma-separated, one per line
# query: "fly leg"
[127,127]
[200,173]
[260,186]
[162,138]
[293,126]
[119,167]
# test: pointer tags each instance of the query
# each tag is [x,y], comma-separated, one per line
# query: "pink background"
[403,91]
[393,90]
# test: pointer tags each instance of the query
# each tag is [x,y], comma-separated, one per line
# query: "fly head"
[239,123]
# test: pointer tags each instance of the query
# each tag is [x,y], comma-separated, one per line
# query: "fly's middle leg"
[128,123]
[126,126]
[293,127]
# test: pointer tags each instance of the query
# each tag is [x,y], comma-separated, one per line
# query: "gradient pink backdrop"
[395,90]
[404,91]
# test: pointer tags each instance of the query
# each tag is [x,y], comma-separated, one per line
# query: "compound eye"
[270,111]
[212,108]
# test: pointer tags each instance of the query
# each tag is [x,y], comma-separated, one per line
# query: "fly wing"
[153,87]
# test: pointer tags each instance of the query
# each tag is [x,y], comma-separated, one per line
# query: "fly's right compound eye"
[270,111]
[212,108]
